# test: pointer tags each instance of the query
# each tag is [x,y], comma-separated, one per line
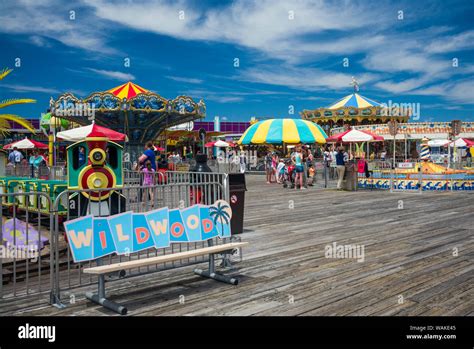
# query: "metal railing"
[26,262]
[54,276]
[177,190]
[42,172]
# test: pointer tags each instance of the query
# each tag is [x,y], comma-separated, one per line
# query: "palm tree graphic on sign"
[221,213]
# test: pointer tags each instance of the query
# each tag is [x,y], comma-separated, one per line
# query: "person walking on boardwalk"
[299,168]
[242,162]
[341,159]
[268,167]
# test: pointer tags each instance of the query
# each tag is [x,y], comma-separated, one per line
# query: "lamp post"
[455,131]
[393,129]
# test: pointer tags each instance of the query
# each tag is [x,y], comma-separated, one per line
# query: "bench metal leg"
[100,298]
[211,273]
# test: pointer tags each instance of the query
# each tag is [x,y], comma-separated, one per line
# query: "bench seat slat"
[105,269]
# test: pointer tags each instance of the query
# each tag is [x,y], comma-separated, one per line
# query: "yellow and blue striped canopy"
[354,100]
[279,131]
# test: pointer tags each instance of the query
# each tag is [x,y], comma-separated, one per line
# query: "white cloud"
[25,88]
[370,36]
[39,41]
[452,43]
[185,80]
[49,19]
[115,75]
[458,92]
[310,79]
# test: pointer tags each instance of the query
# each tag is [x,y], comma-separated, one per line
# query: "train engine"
[94,166]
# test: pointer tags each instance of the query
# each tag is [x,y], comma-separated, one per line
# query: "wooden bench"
[211,250]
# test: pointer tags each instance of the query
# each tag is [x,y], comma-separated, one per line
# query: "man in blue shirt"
[341,159]
[15,157]
[148,154]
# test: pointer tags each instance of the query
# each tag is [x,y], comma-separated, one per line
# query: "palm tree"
[5,118]
[219,214]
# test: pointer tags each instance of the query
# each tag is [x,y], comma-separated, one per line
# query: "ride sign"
[90,237]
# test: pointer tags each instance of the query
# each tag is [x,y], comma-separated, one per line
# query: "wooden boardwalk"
[410,267]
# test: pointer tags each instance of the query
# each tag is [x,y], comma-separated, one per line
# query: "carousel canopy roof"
[139,113]
[127,90]
[354,100]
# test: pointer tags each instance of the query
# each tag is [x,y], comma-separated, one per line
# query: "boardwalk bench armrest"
[103,270]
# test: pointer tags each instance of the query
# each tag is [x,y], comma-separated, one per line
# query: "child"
[148,181]
[281,171]
[311,173]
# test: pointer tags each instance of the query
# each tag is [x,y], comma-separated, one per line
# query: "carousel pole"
[51,140]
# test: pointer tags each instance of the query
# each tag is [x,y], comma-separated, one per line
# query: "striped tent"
[279,131]
[127,90]
[354,100]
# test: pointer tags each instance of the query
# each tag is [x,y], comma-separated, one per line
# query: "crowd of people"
[19,162]
[295,170]
[298,168]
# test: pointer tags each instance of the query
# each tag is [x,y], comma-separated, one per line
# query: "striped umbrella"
[279,131]
[425,150]
[127,90]
[354,100]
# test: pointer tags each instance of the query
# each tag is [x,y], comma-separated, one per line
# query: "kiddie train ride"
[95,169]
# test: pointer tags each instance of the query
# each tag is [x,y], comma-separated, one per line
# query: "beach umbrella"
[81,133]
[283,131]
[26,144]
[158,148]
[15,232]
[352,136]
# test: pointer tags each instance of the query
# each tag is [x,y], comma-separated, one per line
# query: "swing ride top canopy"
[130,109]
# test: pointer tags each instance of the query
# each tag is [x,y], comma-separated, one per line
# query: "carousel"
[352,110]
[130,109]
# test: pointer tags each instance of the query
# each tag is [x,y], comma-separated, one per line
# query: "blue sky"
[290,53]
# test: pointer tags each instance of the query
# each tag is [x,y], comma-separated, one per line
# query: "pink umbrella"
[352,135]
